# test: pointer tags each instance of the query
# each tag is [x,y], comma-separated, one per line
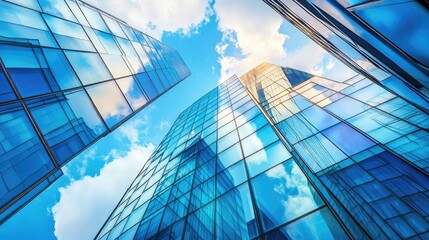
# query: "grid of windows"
[215,175]
[370,34]
[366,145]
[69,74]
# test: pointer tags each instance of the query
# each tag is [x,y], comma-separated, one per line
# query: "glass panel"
[108,42]
[116,65]
[6,92]
[266,158]
[58,8]
[258,140]
[318,152]
[294,195]
[389,21]
[94,19]
[67,121]
[24,160]
[200,224]
[110,102]
[230,177]
[24,69]
[88,66]
[373,95]
[319,118]
[61,69]
[230,156]
[132,92]
[235,218]
[22,16]
[114,26]
[347,139]
[347,107]
[318,225]
[147,85]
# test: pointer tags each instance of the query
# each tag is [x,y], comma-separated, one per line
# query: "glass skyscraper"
[69,74]
[390,36]
[282,154]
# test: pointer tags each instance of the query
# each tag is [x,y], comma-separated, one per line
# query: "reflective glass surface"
[67,77]
[213,177]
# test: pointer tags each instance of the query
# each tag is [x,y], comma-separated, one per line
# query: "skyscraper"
[371,37]
[279,153]
[69,74]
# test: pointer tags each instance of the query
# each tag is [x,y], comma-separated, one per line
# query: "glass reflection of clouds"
[294,196]
[110,102]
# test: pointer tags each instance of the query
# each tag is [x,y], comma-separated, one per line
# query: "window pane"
[258,140]
[147,85]
[348,139]
[58,8]
[67,121]
[94,19]
[24,69]
[116,65]
[266,158]
[132,92]
[230,177]
[114,26]
[318,225]
[289,186]
[6,92]
[89,67]
[61,69]
[108,42]
[319,118]
[110,102]
[24,160]
[235,218]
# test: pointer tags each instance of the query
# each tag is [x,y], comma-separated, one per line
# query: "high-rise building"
[282,154]
[371,37]
[69,74]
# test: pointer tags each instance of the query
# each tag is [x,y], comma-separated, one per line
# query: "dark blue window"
[147,85]
[6,92]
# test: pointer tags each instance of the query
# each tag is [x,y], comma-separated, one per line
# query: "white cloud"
[85,204]
[164,124]
[251,35]
[156,17]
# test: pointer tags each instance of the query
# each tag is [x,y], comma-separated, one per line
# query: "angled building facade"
[69,74]
[372,37]
[283,154]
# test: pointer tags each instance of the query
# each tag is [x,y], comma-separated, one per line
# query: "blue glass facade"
[372,37]
[69,74]
[282,154]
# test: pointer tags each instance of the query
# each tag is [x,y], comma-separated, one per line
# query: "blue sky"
[216,39]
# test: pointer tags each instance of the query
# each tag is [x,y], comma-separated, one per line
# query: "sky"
[216,39]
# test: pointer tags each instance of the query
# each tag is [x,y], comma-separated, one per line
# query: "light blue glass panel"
[24,160]
[108,42]
[318,225]
[94,19]
[230,156]
[22,16]
[132,92]
[347,107]
[58,8]
[28,3]
[258,140]
[347,139]
[77,12]
[266,158]
[88,66]
[24,69]
[200,224]
[114,26]
[319,118]
[6,92]
[116,65]
[318,152]
[296,128]
[68,122]
[61,69]
[252,126]
[126,47]
[110,102]
[230,177]
[68,34]
[411,34]
[235,218]
[293,195]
